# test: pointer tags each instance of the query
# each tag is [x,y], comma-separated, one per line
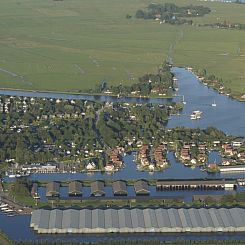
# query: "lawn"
[72,45]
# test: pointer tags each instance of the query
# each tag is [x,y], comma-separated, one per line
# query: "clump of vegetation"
[171,13]
[160,83]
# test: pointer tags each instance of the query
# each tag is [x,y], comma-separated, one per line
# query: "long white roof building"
[139,220]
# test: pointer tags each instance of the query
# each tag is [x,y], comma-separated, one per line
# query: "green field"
[71,45]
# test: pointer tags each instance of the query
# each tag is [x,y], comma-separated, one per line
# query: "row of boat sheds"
[141,187]
[123,220]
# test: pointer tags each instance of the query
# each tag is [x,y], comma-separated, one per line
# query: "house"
[238,142]
[90,166]
[213,166]
[109,167]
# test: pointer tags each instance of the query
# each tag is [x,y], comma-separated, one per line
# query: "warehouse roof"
[119,187]
[139,220]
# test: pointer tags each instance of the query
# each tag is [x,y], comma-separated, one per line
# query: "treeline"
[225,25]
[171,13]
[161,83]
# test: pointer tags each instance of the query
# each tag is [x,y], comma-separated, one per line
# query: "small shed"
[141,187]
[97,188]
[75,188]
[53,189]
[119,188]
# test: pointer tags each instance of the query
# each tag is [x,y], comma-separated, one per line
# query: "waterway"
[176,171]
[70,96]
[228,115]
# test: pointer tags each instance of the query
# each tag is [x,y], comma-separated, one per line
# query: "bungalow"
[109,167]
[238,142]
[90,166]
[184,154]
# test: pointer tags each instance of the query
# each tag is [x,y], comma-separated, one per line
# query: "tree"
[140,14]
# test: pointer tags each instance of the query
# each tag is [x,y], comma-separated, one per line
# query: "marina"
[227,116]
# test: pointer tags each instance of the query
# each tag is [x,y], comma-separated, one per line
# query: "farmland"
[73,45]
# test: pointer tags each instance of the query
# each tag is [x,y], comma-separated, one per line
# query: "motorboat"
[196,115]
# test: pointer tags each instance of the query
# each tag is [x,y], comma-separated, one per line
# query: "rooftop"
[139,220]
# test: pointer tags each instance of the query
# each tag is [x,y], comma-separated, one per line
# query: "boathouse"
[53,189]
[119,188]
[75,188]
[141,187]
[34,191]
[97,188]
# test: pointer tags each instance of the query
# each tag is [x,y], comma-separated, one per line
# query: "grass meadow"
[72,45]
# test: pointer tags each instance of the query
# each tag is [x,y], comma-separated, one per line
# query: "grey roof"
[194,182]
[52,188]
[141,187]
[75,187]
[119,187]
[232,167]
[139,220]
[97,188]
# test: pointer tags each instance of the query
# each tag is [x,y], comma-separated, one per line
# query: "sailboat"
[183,100]
[214,104]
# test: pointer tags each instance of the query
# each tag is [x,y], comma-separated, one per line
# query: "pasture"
[72,45]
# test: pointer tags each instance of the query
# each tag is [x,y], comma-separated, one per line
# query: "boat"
[183,100]
[3,209]
[214,104]
[196,115]
[3,206]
